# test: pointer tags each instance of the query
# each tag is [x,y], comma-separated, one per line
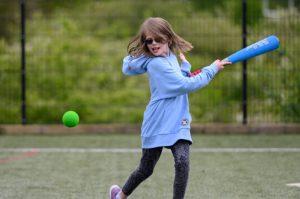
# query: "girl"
[166,118]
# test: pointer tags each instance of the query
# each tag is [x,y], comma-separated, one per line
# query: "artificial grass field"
[90,174]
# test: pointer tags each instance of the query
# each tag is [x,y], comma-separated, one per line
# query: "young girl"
[167,118]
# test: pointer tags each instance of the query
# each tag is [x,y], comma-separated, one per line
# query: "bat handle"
[226,59]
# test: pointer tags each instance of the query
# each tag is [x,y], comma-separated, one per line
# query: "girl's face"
[157,46]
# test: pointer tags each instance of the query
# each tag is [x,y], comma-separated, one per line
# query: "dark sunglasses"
[150,41]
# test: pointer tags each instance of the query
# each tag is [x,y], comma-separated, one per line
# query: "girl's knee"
[145,172]
[182,163]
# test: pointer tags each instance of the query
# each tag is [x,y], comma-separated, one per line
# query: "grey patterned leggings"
[180,151]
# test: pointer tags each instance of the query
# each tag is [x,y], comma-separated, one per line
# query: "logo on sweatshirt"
[184,122]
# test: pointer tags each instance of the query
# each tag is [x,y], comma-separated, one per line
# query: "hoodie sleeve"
[185,68]
[170,83]
[135,65]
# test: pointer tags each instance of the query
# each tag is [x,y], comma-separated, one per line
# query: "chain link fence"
[74,52]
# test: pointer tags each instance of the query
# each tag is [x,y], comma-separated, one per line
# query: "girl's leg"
[144,170]
[181,151]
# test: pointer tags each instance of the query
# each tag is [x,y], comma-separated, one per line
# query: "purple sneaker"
[113,191]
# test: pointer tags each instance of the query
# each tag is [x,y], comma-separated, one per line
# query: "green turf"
[133,141]
[89,175]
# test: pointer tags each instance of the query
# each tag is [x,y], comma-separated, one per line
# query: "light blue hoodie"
[167,117]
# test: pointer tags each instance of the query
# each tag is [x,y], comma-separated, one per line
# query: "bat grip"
[226,59]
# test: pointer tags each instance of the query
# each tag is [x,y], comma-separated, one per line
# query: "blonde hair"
[158,28]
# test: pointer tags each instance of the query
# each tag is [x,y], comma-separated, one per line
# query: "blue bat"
[265,45]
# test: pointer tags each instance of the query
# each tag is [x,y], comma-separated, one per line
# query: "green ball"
[70,119]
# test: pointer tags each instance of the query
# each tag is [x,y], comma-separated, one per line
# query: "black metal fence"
[70,57]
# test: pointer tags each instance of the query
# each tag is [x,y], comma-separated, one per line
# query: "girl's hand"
[220,63]
[182,57]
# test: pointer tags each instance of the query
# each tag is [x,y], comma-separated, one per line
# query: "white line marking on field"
[245,150]
[138,150]
[293,184]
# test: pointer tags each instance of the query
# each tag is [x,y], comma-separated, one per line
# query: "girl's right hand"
[220,63]
[182,57]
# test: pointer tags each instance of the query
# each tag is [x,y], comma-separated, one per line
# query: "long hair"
[158,28]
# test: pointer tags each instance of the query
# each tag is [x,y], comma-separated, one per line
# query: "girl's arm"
[135,65]
[185,68]
[170,83]
[185,65]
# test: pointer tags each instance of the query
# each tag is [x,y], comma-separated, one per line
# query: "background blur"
[74,52]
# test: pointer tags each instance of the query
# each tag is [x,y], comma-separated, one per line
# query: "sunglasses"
[157,40]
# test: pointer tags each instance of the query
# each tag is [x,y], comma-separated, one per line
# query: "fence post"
[244,37]
[23,61]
